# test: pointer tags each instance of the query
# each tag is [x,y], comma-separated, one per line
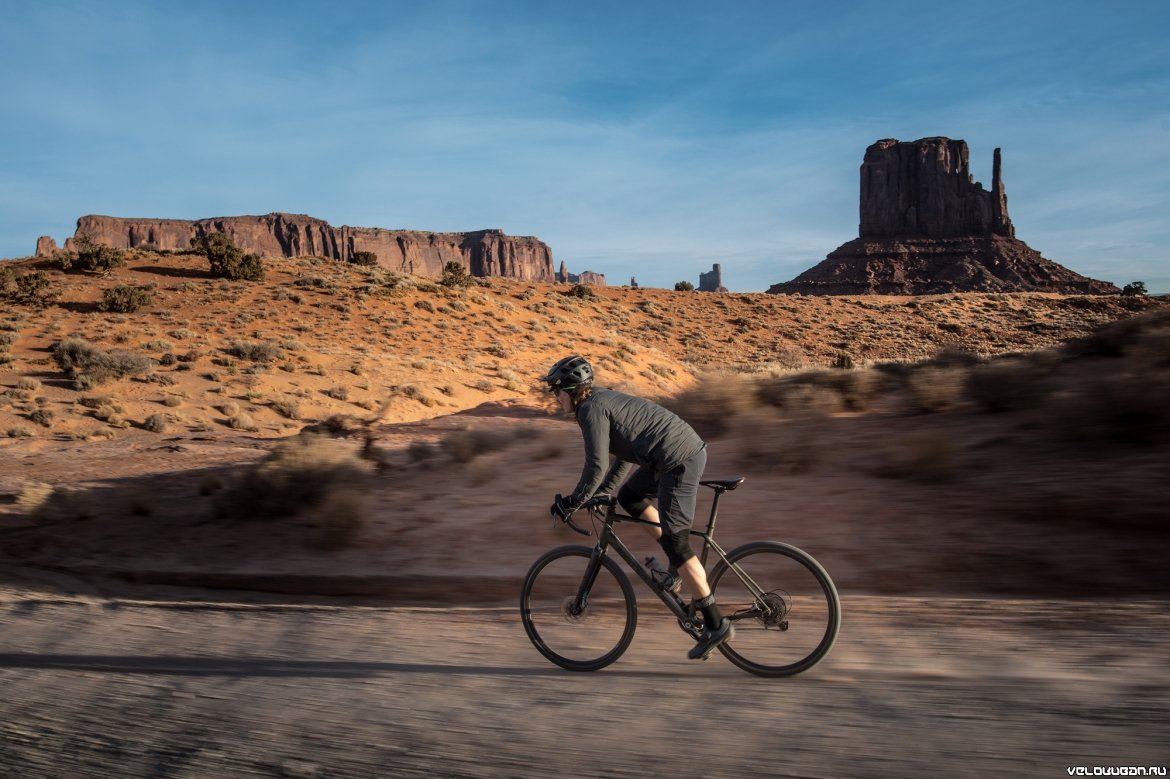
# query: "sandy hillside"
[968,473]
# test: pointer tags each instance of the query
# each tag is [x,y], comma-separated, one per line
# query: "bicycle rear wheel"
[793,624]
[578,635]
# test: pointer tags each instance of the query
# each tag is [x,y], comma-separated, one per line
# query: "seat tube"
[710,526]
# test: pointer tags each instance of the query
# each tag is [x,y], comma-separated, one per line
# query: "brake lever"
[569,521]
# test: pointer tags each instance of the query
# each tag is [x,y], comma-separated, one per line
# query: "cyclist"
[670,458]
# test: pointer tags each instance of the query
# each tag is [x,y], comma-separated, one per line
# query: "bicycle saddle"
[723,484]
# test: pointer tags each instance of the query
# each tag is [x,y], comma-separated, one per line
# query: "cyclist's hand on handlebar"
[597,501]
[561,508]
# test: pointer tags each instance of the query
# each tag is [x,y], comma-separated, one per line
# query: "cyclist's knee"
[677,547]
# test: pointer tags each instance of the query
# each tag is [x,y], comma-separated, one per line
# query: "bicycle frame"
[608,538]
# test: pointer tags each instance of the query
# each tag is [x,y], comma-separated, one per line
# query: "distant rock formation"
[482,252]
[584,277]
[712,281]
[46,246]
[927,227]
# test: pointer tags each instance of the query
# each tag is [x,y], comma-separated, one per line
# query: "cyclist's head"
[570,374]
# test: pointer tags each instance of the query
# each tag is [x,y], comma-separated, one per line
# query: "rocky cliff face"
[482,253]
[928,227]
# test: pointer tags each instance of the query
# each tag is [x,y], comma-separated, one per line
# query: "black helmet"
[569,374]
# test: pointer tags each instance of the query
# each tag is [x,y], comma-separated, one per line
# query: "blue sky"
[647,139]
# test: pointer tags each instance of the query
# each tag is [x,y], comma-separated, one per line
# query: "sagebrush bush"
[91,366]
[157,423]
[712,405]
[930,388]
[309,475]
[463,446]
[365,259]
[125,298]
[256,352]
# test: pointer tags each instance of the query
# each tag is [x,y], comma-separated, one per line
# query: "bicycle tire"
[799,621]
[592,639]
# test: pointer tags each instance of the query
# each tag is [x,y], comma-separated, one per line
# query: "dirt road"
[110,687]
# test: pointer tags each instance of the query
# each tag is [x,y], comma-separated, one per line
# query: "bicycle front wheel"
[784,607]
[578,632]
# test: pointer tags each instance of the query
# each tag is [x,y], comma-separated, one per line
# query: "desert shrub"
[93,366]
[366,259]
[933,388]
[19,431]
[1119,338]
[684,286]
[425,305]
[583,291]
[287,408]
[28,383]
[455,275]
[42,417]
[227,260]
[157,423]
[74,354]
[256,352]
[1009,385]
[243,422]
[1134,289]
[712,405]
[33,289]
[87,254]
[843,361]
[824,391]
[463,446]
[306,475]
[125,298]
[7,278]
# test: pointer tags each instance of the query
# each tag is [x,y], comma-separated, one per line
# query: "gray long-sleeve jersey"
[635,432]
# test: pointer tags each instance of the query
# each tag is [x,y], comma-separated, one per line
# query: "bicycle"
[579,609]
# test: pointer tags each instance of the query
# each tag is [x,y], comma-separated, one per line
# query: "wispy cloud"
[650,139]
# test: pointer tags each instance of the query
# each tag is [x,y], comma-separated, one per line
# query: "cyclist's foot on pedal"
[712,639]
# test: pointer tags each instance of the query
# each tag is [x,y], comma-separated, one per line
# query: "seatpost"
[714,509]
[711,524]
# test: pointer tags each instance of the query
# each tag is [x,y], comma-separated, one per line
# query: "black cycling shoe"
[712,639]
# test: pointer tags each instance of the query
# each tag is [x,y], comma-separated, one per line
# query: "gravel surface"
[96,686]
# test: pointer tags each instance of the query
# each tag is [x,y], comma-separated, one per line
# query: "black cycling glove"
[561,508]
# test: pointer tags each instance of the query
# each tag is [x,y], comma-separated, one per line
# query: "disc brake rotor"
[568,608]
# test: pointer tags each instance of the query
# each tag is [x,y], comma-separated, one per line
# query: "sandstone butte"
[927,227]
[482,252]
